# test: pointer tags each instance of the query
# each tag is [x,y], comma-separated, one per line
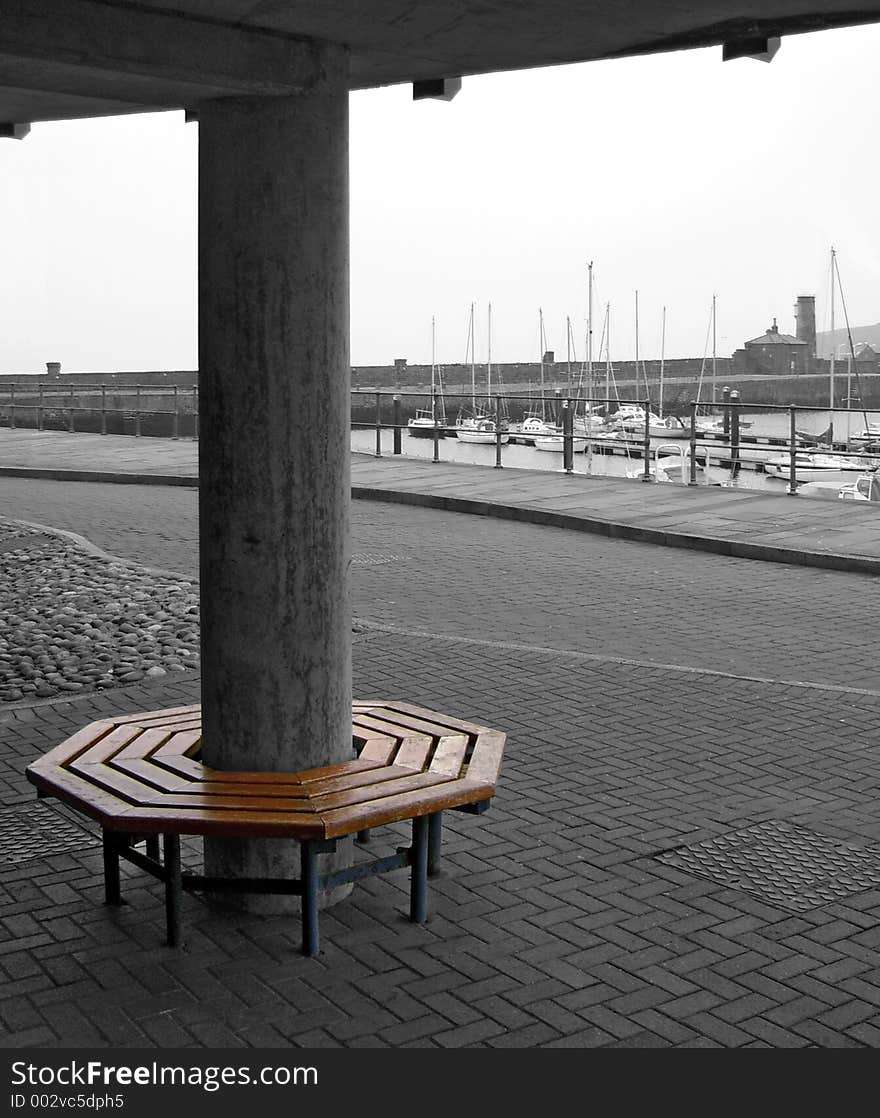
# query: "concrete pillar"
[274,456]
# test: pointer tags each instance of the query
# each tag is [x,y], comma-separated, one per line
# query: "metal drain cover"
[788,866]
[35,830]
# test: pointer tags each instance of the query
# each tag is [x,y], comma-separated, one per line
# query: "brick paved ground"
[641,689]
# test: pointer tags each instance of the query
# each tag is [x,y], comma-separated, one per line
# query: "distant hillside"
[869,334]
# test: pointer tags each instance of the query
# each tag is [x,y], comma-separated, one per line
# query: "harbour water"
[773,424]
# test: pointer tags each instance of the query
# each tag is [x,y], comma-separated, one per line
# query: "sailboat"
[425,421]
[535,424]
[869,437]
[669,426]
[632,418]
[586,420]
[709,424]
[477,424]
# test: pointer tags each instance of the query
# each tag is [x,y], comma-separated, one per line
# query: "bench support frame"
[422,856]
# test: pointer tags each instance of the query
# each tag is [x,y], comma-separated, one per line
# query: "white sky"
[680,176]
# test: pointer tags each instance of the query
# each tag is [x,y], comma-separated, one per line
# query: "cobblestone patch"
[73,620]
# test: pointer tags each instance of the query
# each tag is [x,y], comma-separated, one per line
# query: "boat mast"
[541,347]
[489,357]
[833,347]
[662,359]
[714,370]
[852,350]
[473,364]
[433,362]
[637,342]
[568,351]
[589,331]
[608,355]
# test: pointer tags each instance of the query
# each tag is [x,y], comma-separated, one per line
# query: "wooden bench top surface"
[141,774]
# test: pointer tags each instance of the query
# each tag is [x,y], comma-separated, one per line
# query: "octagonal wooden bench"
[140,776]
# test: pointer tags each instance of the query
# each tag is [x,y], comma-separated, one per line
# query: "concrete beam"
[46,40]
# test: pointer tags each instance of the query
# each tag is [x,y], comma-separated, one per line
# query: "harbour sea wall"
[122,403]
[684,380]
[166,402]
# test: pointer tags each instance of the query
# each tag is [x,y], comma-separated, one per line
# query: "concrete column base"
[272,858]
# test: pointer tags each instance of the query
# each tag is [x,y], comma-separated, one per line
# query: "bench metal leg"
[418,897]
[309,885]
[173,889]
[112,891]
[435,837]
[364,836]
[152,842]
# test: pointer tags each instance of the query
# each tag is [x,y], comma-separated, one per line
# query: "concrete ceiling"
[61,59]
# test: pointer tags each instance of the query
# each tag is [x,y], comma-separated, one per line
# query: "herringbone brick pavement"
[642,690]
[555,924]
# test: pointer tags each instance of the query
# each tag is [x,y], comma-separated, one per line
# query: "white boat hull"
[820,468]
[487,437]
[419,429]
[556,443]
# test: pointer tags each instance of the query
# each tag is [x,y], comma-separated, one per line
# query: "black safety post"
[173,889]
[418,901]
[397,421]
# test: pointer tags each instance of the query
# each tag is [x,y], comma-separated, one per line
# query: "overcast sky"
[679,176]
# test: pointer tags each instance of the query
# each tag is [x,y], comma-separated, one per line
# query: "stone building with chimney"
[774,354]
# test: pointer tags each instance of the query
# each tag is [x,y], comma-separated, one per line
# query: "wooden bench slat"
[414,753]
[192,710]
[404,719]
[156,776]
[108,745]
[181,743]
[449,755]
[82,794]
[380,791]
[347,820]
[220,803]
[192,821]
[375,774]
[109,780]
[77,743]
[449,721]
[485,761]
[143,745]
[380,748]
[362,784]
[187,766]
[387,726]
[182,722]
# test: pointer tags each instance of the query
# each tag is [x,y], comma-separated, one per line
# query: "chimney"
[805,317]
[53,368]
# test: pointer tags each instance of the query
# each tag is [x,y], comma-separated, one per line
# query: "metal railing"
[726,446]
[172,410]
[128,409]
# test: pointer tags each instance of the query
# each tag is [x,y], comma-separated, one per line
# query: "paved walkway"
[791,529]
[684,849]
